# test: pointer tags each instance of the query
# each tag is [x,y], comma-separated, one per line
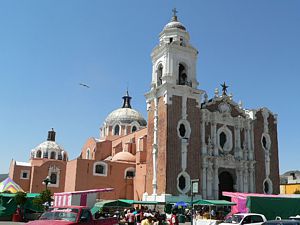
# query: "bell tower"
[173,105]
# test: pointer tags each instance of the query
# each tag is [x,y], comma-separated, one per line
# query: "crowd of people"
[145,216]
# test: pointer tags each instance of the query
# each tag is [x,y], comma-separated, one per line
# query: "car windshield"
[234,219]
[60,214]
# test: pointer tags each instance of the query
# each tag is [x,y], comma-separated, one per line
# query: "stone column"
[155,147]
[246,178]
[249,141]
[204,183]
[237,143]
[184,144]
[251,171]
[214,137]
[202,135]
[210,175]
[216,180]
[239,180]
[251,150]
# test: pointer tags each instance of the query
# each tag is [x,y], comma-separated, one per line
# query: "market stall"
[210,214]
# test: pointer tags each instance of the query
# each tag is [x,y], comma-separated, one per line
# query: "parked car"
[71,215]
[282,222]
[245,218]
[294,217]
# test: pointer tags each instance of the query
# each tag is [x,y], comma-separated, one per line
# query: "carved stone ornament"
[224,108]
[229,158]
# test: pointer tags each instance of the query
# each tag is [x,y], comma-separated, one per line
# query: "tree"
[44,197]
[20,198]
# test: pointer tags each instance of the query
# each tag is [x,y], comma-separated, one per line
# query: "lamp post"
[46,182]
[194,190]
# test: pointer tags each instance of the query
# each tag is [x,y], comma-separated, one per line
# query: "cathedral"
[188,142]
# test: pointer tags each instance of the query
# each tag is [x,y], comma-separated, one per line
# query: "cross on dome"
[174,18]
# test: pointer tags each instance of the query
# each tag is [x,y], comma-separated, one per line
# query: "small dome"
[125,115]
[49,149]
[174,24]
[123,156]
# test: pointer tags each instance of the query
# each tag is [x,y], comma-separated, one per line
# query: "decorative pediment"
[224,105]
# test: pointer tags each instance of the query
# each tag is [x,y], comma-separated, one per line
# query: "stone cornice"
[168,90]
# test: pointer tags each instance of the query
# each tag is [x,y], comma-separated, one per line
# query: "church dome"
[49,149]
[174,23]
[123,156]
[125,115]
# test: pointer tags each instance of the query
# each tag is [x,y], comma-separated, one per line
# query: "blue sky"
[48,47]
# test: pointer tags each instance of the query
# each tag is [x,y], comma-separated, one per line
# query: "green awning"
[131,202]
[112,203]
[109,204]
[28,195]
[213,202]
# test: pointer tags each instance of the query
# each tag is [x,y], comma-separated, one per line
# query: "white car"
[245,218]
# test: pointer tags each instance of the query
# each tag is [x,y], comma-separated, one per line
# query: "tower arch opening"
[159,74]
[182,75]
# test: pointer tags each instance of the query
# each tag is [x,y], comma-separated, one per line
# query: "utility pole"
[194,190]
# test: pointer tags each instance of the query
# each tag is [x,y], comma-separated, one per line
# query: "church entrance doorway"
[226,183]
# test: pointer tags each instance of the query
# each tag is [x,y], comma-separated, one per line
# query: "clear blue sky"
[48,47]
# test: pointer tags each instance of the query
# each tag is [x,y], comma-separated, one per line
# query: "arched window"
[38,154]
[182,75]
[100,169]
[222,139]
[159,75]
[53,178]
[117,130]
[133,129]
[129,173]
[53,155]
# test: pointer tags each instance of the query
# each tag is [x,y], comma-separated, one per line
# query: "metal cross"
[174,12]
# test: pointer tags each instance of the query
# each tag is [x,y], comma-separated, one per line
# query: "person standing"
[148,219]
[130,218]
[174,218]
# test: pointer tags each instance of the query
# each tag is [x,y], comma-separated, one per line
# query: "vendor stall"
[210,213]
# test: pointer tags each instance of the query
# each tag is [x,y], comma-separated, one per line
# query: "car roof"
[248,214]
[282,222]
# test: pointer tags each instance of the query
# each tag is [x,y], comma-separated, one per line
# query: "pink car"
[71,215]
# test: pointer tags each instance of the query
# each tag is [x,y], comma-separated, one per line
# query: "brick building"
[188,136]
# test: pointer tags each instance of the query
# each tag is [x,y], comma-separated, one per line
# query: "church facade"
[188,139]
